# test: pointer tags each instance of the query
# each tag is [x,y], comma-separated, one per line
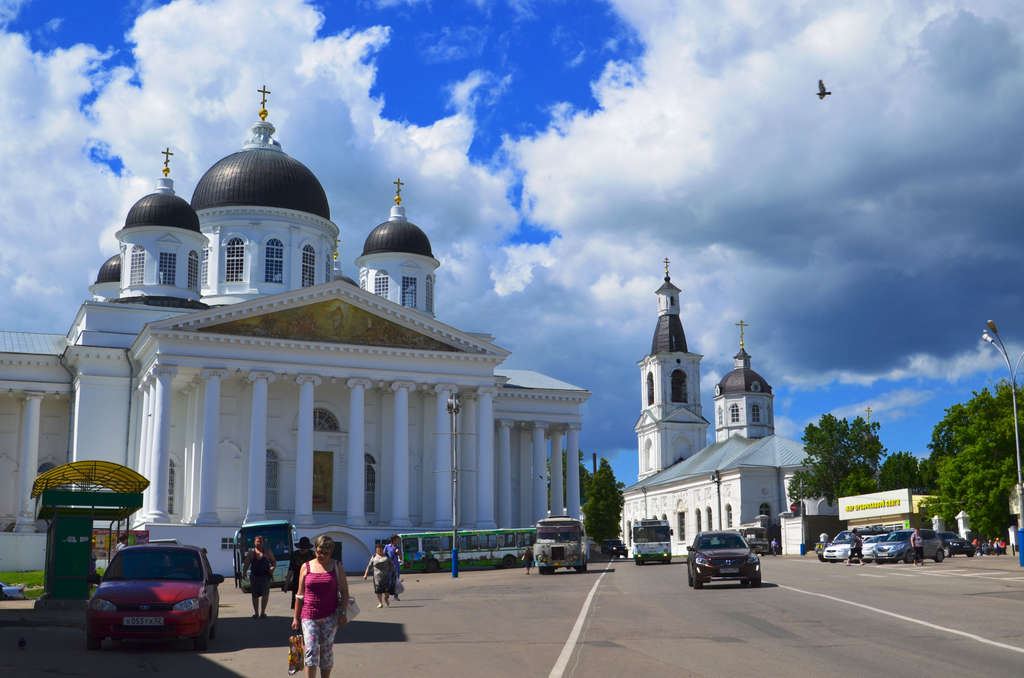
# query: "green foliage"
[973,459]
[603,509]
[900,470]
[32,579]
[842,459]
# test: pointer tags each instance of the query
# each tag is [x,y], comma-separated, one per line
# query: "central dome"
[264,177]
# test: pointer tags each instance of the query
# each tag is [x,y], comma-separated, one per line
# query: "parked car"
[868,549]
[838,549]
[12,591]
[721,555]
[897,547]
[155,591]
[614,548]
[954,544]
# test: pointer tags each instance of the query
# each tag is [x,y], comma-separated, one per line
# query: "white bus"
[652,541]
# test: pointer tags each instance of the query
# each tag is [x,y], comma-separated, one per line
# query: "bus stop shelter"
[71,498]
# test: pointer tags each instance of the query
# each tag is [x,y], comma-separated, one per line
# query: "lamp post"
[453,410]
[997,341]
[646,514]
[716,478]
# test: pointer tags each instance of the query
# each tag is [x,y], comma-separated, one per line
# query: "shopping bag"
[353,610]
[399,587]
[296,653]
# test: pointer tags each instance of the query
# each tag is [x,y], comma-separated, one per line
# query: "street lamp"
[453,410]
[716,478]
[997,341]
[646,514]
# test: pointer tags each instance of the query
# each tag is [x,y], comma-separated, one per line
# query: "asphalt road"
[809,618]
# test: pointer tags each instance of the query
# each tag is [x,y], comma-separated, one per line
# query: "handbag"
[353,610]
[296,653]
[399,587]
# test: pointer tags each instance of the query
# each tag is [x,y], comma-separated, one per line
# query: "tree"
[842,459]
[974,460]
[603,509]
[900,470]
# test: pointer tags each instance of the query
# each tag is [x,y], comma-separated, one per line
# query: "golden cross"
[666,267]
[398,190]
[263,104]
[167,160]
[869,413]
[742,325]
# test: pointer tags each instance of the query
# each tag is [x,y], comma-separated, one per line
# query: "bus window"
[410,545]
[431,544]
[492,541]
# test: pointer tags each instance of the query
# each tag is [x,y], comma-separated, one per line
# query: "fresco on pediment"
[331,321]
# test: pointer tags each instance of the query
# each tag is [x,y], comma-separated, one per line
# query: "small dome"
[110,271]
[398,236]
[264,177]
[162,209]
[742,379]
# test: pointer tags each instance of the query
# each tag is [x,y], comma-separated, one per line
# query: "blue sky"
[556,151]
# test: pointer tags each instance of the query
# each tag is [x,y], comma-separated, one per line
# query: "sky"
[555,153]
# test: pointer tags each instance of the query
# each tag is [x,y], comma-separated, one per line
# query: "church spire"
[668,333]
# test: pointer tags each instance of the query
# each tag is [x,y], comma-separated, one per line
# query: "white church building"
[695,486]
[223,357]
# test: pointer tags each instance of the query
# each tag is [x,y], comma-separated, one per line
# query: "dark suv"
[953,544]
[721,555]
[897,547]
[614,548]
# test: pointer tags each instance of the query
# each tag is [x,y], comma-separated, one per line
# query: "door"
[323,480]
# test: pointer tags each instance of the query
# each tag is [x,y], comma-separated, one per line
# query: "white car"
[12,591]
[839,549]
[868,550]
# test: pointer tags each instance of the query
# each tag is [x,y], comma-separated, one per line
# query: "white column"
[557,495]
[442,457]
[540,473]
[150,467]
[468,461]
[256,505]
[189,474]
[525,517]
[29,462]
[161,442]
[504,473]
[211,440]
[400,460]
[356,450]
[304,451]
[142,465]
[485,460]
[572,471]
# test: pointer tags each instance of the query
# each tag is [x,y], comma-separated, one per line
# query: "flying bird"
[822,92]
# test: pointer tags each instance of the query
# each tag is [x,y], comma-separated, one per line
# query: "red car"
[155,592]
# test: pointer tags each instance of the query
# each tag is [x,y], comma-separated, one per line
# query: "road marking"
[570,644]
[876,576]
[901,617]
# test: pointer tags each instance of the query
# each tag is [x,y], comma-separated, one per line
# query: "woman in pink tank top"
[321,607]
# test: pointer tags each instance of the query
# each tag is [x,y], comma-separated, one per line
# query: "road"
[809,618]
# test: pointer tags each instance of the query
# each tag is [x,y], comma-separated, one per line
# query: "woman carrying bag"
[321,607]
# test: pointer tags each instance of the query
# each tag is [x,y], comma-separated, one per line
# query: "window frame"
[137,266]
[409,291]
[234,260]
[308,266]
[273,261]
[192,274]
[382,284]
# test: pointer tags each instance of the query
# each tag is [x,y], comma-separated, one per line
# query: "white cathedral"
[224,357]
[734,481]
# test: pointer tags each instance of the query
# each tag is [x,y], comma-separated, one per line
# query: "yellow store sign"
[876,504]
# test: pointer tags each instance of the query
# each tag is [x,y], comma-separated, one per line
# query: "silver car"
[868,550]
[896,546]
[839,549]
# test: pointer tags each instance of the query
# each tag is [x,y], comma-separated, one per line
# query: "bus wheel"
[581,568]
[546,570]
[433,566]
[508,561]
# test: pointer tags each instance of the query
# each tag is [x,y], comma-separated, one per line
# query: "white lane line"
[570,644]
[901,617]
[876,576]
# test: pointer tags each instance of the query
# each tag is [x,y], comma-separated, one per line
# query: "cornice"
[571,396]
[247,212]
[29,360]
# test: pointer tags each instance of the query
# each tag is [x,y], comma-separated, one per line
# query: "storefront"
[892,509]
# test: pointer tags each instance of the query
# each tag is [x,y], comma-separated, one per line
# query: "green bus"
[432,551]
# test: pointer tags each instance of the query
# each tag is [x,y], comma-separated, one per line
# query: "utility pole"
[453,411]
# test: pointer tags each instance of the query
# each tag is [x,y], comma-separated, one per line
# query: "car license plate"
[143,621]
[729,570]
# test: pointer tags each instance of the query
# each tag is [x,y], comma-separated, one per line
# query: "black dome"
[398,236]
[162,209]
[110,271]
[742,380]
[668,335]
[263,177]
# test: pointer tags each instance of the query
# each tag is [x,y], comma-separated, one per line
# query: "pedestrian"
[394,551]
[917,543]
[260,560]
[322,607]
[303,553]
[528,558]
[380,565]
[122,541]
[856,549]
[774,546]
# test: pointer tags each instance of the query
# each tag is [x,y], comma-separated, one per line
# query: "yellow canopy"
[90,475]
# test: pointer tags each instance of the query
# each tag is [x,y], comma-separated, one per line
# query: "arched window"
[170,486]
[728,516]
[755,414]
[765,509]
[734,414]
[138,265]
[650,388]
[204,268]
[234,260]
[430,293]
[370,496]
[167,270]
[363,275]
[273,482]
[708,513]
[720,418]
[678,386]
[308,266]
[328,269]
[648,457]
[409,291]
[681,526]
[698,520]
[193,271]
[273,261]
[324,420]
[380,284]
